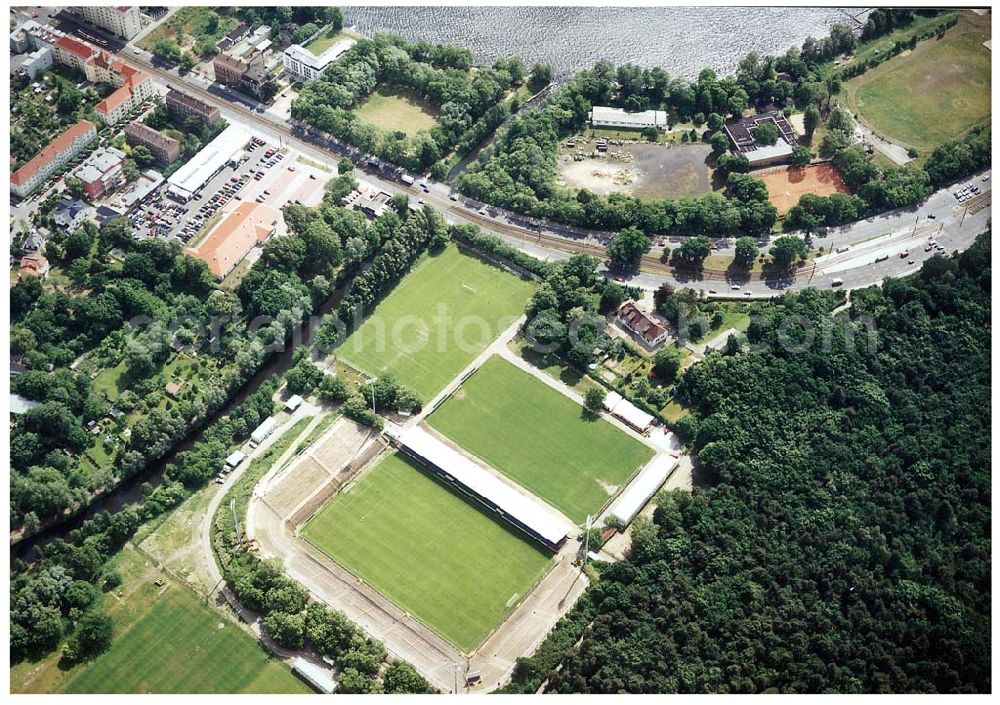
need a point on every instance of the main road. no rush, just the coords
(940, 219)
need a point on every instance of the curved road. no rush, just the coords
(904, 229)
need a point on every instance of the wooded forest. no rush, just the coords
(843, 542)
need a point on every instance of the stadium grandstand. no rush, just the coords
(521, 509)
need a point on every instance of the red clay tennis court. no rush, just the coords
(787, 184)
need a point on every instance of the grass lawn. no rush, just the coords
(429, 550)
(930, 95)
(326, 40)
(187, 26)
(539, 438)
(430, 327)
(393, 109)
(554, 367)
(166, 641)
(109, 381)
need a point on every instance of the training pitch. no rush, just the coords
(394, 110)
(429, 550)
(932, 94)
(785, 186)
(539, 438)
(434, 323)
(177, 646)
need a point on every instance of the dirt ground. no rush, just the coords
(649, 171)
(786, 185)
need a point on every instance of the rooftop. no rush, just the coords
(53, 149)
(605, 114)
(232, 239)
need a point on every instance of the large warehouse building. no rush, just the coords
(190, 178)
(526, 512)
(603, 116)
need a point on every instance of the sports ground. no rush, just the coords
(539, 438)
(932, 94)
(434, 323)
(432, 552)
(786, 185)
(395, 110)
(181, 646)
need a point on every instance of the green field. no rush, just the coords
(395, 110)
(166, 640)
(934, 93)
(430, 326)
(178, 647)
(539, 438)
(429, 550)
(326, 40)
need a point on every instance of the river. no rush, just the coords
(682, 40)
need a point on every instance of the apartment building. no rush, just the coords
(246, 72)
(102, 173)
(181, 106)
(165, 148)
(125, 22)
(53, 156)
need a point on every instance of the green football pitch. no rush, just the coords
(181, 646)
(540, 438)
(434, 323)
(428, 550)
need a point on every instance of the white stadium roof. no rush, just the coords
(516, 503)
(627, 411)
(642, 488)
(207, 162)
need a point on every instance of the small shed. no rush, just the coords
(293, 403)
(174, 388)
(234, 459)
(264, 430)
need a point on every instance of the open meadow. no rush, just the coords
(539, 438)
(436, 555)
(396, 110)
(932, 94)
(441, 315)
(166, 641)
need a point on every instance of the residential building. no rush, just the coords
(132, 85)
(53, 156)
(233, 38)
(105, 215)
(603, 116)
(102, 172)
(641, 325)
(182, 106)
(34, 265)
(70, 213)
(125, 22)
(741, 135)
(251, 224)
(165, 148)
(37, 61)
(302, 65)
(246, 72)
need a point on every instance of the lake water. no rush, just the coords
(682, 40)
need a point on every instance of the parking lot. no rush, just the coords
(268, 175)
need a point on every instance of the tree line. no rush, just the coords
(843, 541)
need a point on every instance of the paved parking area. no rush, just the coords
(269, 175)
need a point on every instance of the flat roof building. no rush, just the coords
(638, 492)
(621, 408)
(165, 148)
(234, 459)
(603, 116)
(523, 510)
(55, 154)
(293, 403)
(302, 65)
(321, 679)
(102, 172)
(231, 240)
(265, 429)
(741, 135)
(190, 178)
(123, 21)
